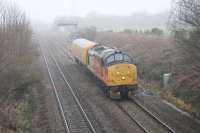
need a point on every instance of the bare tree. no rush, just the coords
(185, 22)
(15, 35)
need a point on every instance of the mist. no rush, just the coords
(48, 10)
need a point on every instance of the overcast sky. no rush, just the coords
(47, 10)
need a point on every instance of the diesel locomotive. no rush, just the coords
(113, 67)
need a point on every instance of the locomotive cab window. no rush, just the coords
(127, 58)
(118, 57)
(110, 59)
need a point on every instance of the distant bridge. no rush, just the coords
(67, 24)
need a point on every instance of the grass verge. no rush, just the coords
(167, 94)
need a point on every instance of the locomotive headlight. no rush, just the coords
(123, 78)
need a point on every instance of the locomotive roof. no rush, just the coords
(103, 51)
(83, 42)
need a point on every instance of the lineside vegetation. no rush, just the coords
(19, 74)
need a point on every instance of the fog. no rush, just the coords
(47, 10)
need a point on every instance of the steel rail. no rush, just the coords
(152, 115)
(74, 95)
(56, 94)
(133, 119)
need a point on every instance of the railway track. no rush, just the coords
(74, 117)
(133, 119)
(153, 116)
(148, 118)
(162, 127)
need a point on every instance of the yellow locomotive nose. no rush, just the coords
(122, 74)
